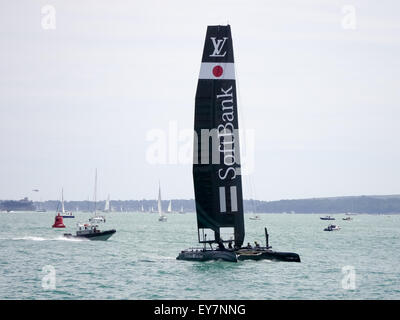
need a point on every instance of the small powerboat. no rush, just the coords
(327, 218)
(255, 218)
(332, 227)
(91, 232)
(97, 219)
(347, 218)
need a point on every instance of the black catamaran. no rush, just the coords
(216, 162)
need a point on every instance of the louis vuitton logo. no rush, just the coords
(218, 45)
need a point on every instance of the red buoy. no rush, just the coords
(58, 223)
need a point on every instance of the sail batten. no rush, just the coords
(216, 165)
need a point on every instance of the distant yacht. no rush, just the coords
(96, 218)
(332, 227)
(169, 210)
(162, 217)
(40, 208)
(181, 211)
(256, 217)
(107, 205)
(347, 218)
(327, 218)
(64, 213)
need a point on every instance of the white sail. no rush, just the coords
(159, 201)
(107, 205)
(95, 193)
(96, 218)
(162, 216)
(62, 200)
(169, 210)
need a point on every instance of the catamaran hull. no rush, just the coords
(207, 255)
(246, 254)
(102, 236)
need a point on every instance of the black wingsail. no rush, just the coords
(216, 163)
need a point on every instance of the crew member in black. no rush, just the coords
(221, 245)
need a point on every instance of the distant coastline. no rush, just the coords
(385, 204)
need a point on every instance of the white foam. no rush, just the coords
(32, 238)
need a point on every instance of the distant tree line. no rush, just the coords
(360, 204)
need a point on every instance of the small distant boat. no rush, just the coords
(40, 208)
(181, 211)
(162, 217)
(58, 222)
(64, 213)
(256, 217)
(107, 205)
(327, 218)
(347, 218)
(68, 215)
(96, 218)
(91, 232)
(332, 227)
(169, 210)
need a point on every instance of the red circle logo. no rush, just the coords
(217, 71)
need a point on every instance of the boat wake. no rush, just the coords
(30, 238)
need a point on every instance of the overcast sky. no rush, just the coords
(319, 91)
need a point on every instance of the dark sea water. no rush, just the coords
(138, 262)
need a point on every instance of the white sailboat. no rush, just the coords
(169, 210)
(107, 205)
(162, 217)
(181, 211)
(64, 213)
(96, 218)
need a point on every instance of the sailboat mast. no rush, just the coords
(62, 200)
(159, 200)
(95, 192)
